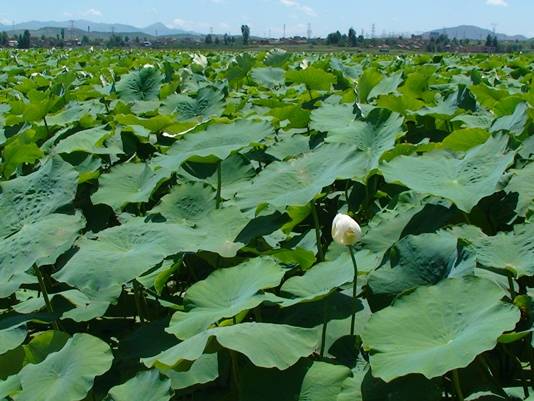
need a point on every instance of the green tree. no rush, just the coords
(85, 40)
(245, 32)
(4, 39)
(24, 41)
(62, 33)
(334, 38)
(353, 39)
(226, 39)
(208, 39)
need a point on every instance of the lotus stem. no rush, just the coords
(46, 126)
(219, 185)
(325, 326)
(42, 285)
(354, 291)
(511, 285)
(320, 252)
(138, 293)
(235, 374)
(456, 382)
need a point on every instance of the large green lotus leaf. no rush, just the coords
(375, 136)
(204, 370)
(88, 141)
(298, 181)
(437, 329)
(313, 78)
(386, 86)
(269, 77)
(238, 289)
(11, 338)
(348, 70)
(129, 183)
(241, 66)
(217, 142)
(369, 79)
(208, 103)
(68, 374)
(40, 243)
(144, 84)
(465, 181)
(119, 254)
(265, 345)
(522, 183)
(420, 260)
(19, 150)
(220, 229)
(512, 251)
(145, 386)
(319, 281)
(44, 344)
(28, 199)
(335, 119)
(464, 139)
(276, 57)
(417, 83)
(306, 381)
(75, 112)
(187, 203)
(515, 123)
(236, 172)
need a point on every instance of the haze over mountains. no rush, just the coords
(472, 32)
(86, 25)
(159, 29)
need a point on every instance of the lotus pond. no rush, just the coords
(166, 226)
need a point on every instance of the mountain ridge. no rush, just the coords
(91, 26)
(472, 32)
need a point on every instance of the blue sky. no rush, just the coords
(399, 16)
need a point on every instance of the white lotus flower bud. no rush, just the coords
(345, 230)
(148, 66)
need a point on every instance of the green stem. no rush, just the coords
(219, 185)
(354, 291)
(137, 298)
(320, 252)
(325, 326)
(531, 361)
(42, 285)
(457, 388)
(486, 369)
(235, 374)
(310, 93)
(511, 285)
(347, 195)
(46, 126)
(467, 218)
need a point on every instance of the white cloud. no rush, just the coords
(502, 3)
(188, 25)
(299, 6)
(5, 21)
(93, 12)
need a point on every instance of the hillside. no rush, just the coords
(90, 26)
(472, 32)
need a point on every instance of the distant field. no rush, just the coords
(166, 226)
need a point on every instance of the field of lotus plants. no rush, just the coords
(266, 226)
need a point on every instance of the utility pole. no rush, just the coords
(309, 32)
(373, 31)
(284, 30)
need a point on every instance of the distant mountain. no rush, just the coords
(85, 25)
(471, 32)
